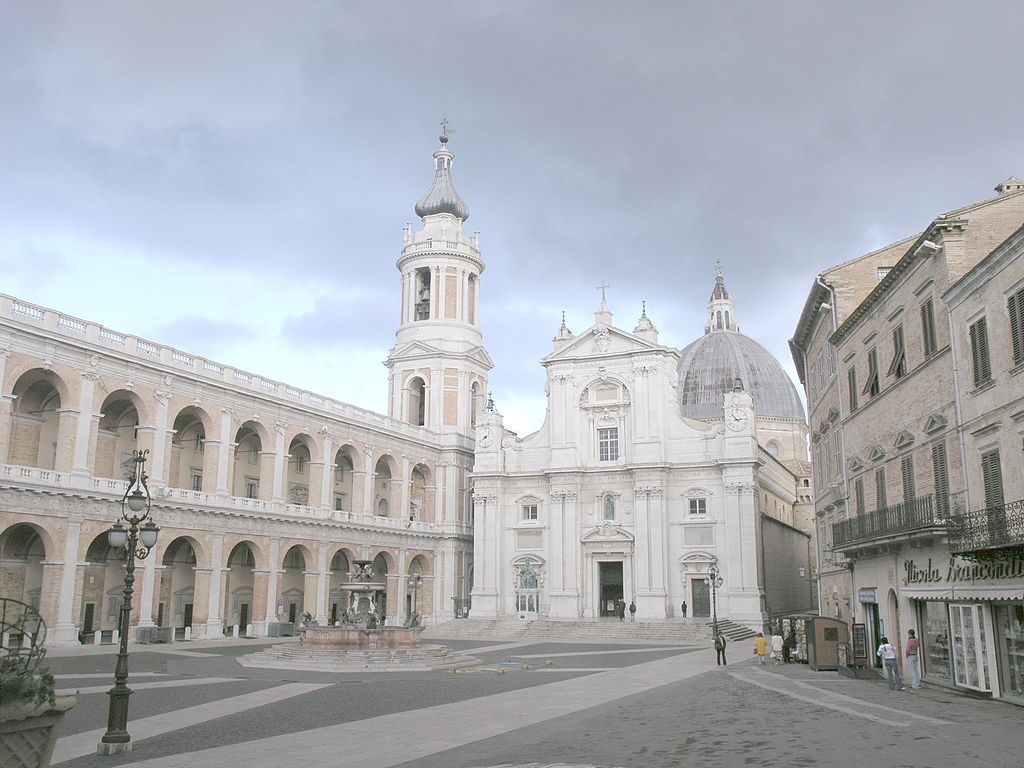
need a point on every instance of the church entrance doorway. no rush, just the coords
(701, 592)
(611, 586)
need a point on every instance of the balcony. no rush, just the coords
(902, 519)
(988, 533)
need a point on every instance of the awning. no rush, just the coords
(955, 594)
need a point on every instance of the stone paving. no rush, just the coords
(536, 704)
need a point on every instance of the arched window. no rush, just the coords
(417, 402)
(609, 507)
(382, 507)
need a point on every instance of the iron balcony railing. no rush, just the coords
(899, 518)
(990, 528)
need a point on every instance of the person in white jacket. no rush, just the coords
(887, 653)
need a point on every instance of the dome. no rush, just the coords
(710, 365)
(442, 197)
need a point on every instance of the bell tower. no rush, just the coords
(438, 365)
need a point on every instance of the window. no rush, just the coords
(200, 442)
(197, 480)
(851, 378)
(880, 488)
(898, 367)
(821, 371)
(698, 506)
(529, 511)
(300, 464)
(831, 360)
(609, 507)
(1015, 307)
(828, 461)
(422, 303)
(253, 454)
(608, 444)
(907, 471)
(837, 449)
(252, 488)
(339, 502)
(979, 353)
(814, 382)
(928, 328)
(818, 478)
(992, 477)
(940, 479)
(871, 387)
(858, 493)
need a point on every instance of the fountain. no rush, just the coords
(361, 640)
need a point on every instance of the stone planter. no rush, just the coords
(28, 733)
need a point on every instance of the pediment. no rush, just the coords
(607, 532)
(414, 349)
(600, 341)
(877, 453)
(854, 464)
(903, 439)
(934, 423)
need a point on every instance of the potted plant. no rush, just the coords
(30, 710)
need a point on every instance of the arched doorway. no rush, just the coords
(417, 413)
(102, 590)
(35, 420)
(338, 598)
(385, 488)
(293, 582)
(384, 572)
(344, 479)
(22, 553)
(188, 449)
(297, 474)
(117, 436)
(177, 586)
(238, 597)
(245, 480)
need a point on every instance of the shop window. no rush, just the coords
(969, 646)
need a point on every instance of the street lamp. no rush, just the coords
(715, 580)
(130, 543)
(414, 584)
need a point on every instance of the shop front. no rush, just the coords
(970, 617)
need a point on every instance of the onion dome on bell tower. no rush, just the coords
(442, 197)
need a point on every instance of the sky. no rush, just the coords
(232, 178)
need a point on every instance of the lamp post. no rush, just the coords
(715, 580)
(132, 542)
(414, 584)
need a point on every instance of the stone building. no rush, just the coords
(652, 464)
(265, 494)
(924, 513)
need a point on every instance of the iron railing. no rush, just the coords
(899, 518)
(989, 528)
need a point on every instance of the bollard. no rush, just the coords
(234, 632)
(97, 637)
(115, 637)
(188, 633)
(248, 630)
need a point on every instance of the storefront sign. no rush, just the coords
(866, 595)
(961, 570)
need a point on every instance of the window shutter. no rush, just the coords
(858, 488)
(872, 381)
(880, 488)
(928, 328)
(898, 352)
(979, 352)
(940, 478)
(907, 470)
(992, 477)
(851, 377)
(1015, 304)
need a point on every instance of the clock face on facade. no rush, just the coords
(737, 419)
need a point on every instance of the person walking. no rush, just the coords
(683, 608)
(720, 643)
(620, 610)
(760, 648)
(777, 648)
(887, 653)
(910, 651)
(632, 610)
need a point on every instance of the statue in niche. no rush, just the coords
(528, 577)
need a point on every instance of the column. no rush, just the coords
(279, 459)
(310, 592)
(85, 419)
(275, 564)
(321, 584)
(157, 467)
(224, 458)
(440, 476)
(487, 534)
(200, 602)
(402, 588)
(368, 483)
(214, 620)
(65, 632)
(6, 408)
(148, 582)
(435, 416)
(327, 480)
(451, 492)
(406, 483)
(264, 589)
(448, 587)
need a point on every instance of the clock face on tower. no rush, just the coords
(736, 420)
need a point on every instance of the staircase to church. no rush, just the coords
(688, 631)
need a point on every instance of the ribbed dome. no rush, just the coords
(442, 197)
(710, 365)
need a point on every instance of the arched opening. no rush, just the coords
(344, 479)
(35, 420)
(338, 598)
(117, 436)
(298, 472)
(246, 468)
(421, 500)
(188, 448)
(422, 307)
(177, 586)
(471, 301)
(293, 583)
(102, 591)
(384, 572)
(386, 489)
(417, 414)
(22, 552)
(420, 588)
(238, 597)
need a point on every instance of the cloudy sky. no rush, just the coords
(232, 178)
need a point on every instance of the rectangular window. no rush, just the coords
(851, 378)
(880, 500)
(907, 471)
(339, 502)
(818, 475)
(858, 495)
(608, 444)
(698, 506)
(814, 383)
(821, 371)
(940, 479)
(928, 328)
(992, 477)
(529, 511)
(300, 464)
(252, 488)
(1015, 306)
(837, 449)
(200, 442)
(197, 481)
(828, 461)
(979, 353)
(254, 455)
(871, 388)
(898, 367)
(831, 360)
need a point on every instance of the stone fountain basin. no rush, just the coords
(346, 638)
